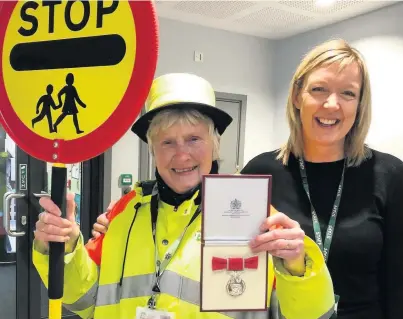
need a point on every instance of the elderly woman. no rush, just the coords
(154, 228)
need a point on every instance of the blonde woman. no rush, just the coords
(346, 196)
(137, 268)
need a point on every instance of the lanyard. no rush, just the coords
(324, 247)
(160, 266)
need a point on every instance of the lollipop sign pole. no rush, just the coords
(71, 88)
(56, 249)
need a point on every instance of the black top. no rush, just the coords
(366, 256)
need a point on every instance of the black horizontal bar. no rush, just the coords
(104, 50)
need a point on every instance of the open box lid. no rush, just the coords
(234, 206)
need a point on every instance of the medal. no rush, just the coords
(236, 285)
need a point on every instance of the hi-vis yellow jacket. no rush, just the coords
(112, 287)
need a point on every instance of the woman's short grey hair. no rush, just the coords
(165, 119)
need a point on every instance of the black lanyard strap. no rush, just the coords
(324, 247)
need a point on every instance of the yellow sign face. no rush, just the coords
(67, 64)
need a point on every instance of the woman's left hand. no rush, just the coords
(282, 237)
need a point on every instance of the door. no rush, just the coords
(232, 141)
(22, 180)
(11, 276)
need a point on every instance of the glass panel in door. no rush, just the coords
(8, 267)
(14, 242)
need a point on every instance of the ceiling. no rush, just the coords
(273, 19)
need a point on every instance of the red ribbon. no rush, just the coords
(234, 264)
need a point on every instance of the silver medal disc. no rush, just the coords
(235, 286)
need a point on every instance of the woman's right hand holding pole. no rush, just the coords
(52, 227)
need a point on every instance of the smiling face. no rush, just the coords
(183, 153)
(328, 103)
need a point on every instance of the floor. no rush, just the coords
(8, 295)
(7, 291)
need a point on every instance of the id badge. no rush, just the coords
(336, 304)
(147, 313)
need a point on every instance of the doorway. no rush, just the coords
(233, 140)
(22, 293)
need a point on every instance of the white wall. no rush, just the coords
(125, 160)
(262, 69)
(379, 37)
(233, 63)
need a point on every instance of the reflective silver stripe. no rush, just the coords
(327, 315)
(85, 301)
(274, 306)
(136, 286)
(181, 287)
(247, 315)
(171, 283)
(139, 286)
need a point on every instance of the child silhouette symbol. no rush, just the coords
(48, 103)
(69, 107)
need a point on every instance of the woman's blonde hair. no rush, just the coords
(165, 119)
(333, 51)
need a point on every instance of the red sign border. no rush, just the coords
(120, 121)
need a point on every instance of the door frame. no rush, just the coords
(145, 159)
(92, 190)
(23, 244)
(23, 259)
(242, 101)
